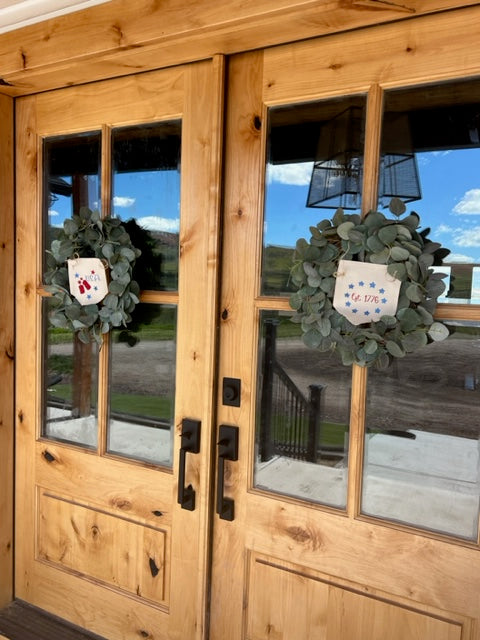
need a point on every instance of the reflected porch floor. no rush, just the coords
(21, 621)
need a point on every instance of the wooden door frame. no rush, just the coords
(39, 58)
(7, 226)
(95, 44)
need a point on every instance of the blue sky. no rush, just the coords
(151, 197)
(450, 204)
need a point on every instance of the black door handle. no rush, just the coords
(190, 443)
(227, 450)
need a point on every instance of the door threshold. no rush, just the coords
(22, 621)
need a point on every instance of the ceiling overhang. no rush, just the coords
(15, 14)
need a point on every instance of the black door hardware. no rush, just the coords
(190, 443)
(231, 392)
(227, 450)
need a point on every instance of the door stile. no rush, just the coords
(26, 308)
(242, 223)
(207, 483)
(7, 347)
(197, 358)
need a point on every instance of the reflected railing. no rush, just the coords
(289, 422)
(302, 416)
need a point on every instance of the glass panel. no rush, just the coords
(314, 161)
(69, 386)
(71, 179)
(422, 444)
(303, 411)
(431, 144)
(142, 386)
(146, 196)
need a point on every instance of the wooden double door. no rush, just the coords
(152, 500)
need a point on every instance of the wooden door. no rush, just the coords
(356, 542)
(101, 537)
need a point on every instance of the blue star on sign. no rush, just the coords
(361, 283)
(372, 285)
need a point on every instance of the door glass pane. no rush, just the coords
(142, 386)
(69, 386)
(71, 179)
(146, 196)
(422, 443)
(314, 165)
(303, 407)
(431, 145)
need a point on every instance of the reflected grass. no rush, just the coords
(133, 404)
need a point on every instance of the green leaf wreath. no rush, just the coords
(410, 256)
(87, 235)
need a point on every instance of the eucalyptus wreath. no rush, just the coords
(87, 235)
(410, 256)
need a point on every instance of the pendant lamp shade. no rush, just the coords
(337, 173)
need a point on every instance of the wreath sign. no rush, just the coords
(346, 276)
(84, 300)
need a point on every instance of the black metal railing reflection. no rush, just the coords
(289, 421)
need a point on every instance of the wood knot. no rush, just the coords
(117, 29)
(257, 123)
(49, 457)
(121, 503)
(157, 513)
(95, 531)
(224, 314)
(154, 570)
(304, 537)
(20, 416)
(335, 66)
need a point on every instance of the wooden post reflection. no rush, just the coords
(82, 353)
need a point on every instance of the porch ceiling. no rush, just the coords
(15, 14)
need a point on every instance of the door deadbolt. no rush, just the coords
(231, 392)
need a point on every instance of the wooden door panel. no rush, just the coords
(106, 528)
(95, 481)
(143, 99)
(289, 568)
(115, 551)
(288, 602)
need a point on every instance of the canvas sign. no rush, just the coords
(364, 292)
(87, 279)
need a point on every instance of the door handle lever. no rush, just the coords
(227, 450)
(190, 443)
